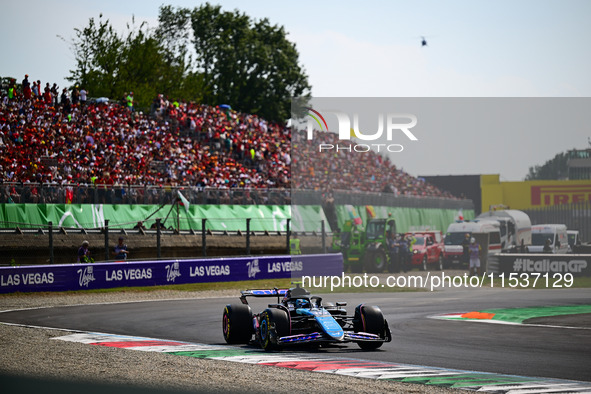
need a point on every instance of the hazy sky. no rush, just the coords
(475, 48)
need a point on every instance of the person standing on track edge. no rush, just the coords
(474, 250)
(120, 251)
(465, 250)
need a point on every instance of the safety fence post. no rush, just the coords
(106, 239)
(158, 249)
(323, 237)
(248, 236)
(51, 258)
(287, 236)
(203, 240)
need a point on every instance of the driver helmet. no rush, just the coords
(302, 303)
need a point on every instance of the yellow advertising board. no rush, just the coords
(531, 194)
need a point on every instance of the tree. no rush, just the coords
(555, 168)
(111, 65)
(97, 49)
(204, 54)
(248, 64)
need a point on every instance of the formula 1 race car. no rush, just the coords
(299, 318)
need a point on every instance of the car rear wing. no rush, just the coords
(262, 293)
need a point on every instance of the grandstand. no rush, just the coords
(72, 170)
(106, 147)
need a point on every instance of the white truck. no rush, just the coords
(457, 233)
(554, 233)
(515, 229)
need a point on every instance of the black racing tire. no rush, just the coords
(376, 261)
(237, 324)
(424, 263)
(273, 324)
(371, 320)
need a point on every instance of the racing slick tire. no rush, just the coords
(376, 261)
(371, 320)
(237, 324)
(274, 323)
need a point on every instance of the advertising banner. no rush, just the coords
(69, 277)
(533, 194)
(407, 219)
(575, 264)
(219, 217)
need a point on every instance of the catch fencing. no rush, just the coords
(53, 193)
(576, 216)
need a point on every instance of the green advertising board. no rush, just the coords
(219, 217)
(407, 219)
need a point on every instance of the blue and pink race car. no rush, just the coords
(298, 318)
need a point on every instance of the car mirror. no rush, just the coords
(341, 304)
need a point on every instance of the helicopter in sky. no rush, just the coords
(423, 41)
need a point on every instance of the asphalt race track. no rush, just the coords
(535, 351)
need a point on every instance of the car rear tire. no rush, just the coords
(371, 320)
(274, 323)
(237, 324)
(440, 263)
(424, 263)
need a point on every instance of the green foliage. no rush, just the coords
(204, 54)
(553, 169)
(111, 65)
(246, 63)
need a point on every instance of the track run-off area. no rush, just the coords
(436, 340)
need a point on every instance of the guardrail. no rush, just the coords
(51, 244)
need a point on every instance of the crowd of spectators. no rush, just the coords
(51, 139)
(357, 172)
(106, 143)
